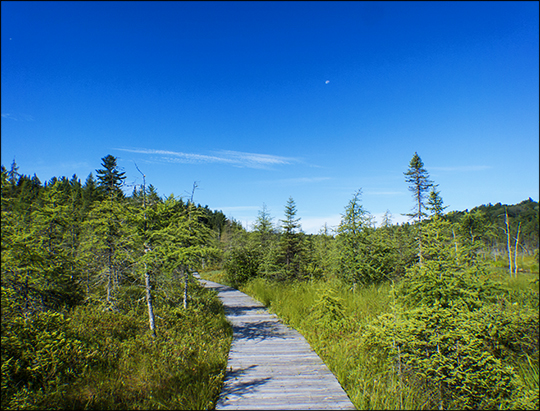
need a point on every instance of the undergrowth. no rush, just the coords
(336, 319)
(87, 358)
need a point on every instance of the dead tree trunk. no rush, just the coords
(147, 284)
(109, 277)
(185, 287)
(516, 252)
(508, 246)
(149, 302)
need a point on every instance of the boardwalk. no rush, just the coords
(271, 366)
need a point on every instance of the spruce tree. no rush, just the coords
(89, 192)
(419, 185)
(263, 225)
(435, 202)
(110, 179)
(290, 239)
(354, 264)
(13, 174)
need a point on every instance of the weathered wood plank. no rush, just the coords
(270, 365)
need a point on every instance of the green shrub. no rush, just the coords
(242, 263)
(99, 359)
(39, 358)
(447, 349)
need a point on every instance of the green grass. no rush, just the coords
(367, 380)
(217, 276)
(370, 382)
(526, 264)
(115, 363)
(332, 316)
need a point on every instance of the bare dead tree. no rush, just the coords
(516, 251)
(147, 284)
(509, 246)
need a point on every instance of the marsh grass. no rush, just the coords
(370, 381)
(126, 368)
(217, 276)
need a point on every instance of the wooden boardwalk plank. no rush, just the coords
(271, 366)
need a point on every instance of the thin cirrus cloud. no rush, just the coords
(302, 180)
(233, 158)
(461, 168)
(17, 117)
(384, 193)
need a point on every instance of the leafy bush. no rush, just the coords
(328, 311)
(242, 263)
(447, 349)
(454, 330)
(93, 358)
(39, 359)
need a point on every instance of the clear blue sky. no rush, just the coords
(259, 101)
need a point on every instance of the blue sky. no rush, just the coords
(261, 101)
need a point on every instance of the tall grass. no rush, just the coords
(124, 366)
(370, 382)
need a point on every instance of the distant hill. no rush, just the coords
(525, 215)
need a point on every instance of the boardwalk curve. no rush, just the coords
(271, 366)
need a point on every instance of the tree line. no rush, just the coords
(455, 334)
(83, 264)
(64, 242)
(358, 251)
(67, 244)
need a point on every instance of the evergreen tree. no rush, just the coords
(13, 173)
(353, 243)
(38, 262)
(110, 179)
(109, 248)
(419, 184)
(263, 225)
(89, 192)
(435, 202)
(323, 256)
(290, 240)
(387, 219)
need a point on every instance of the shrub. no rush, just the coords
(242, 263)
(446, 349)
(39, 358)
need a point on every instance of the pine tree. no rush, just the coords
(110, 178)
(419, 184)
(435, 202)
(419, 181)
(290, 239)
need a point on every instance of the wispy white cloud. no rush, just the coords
(384, 193)
(256, 160)
(233, 158)
(238, 208)
(302, 180)
(17, 117)
(461, 168)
